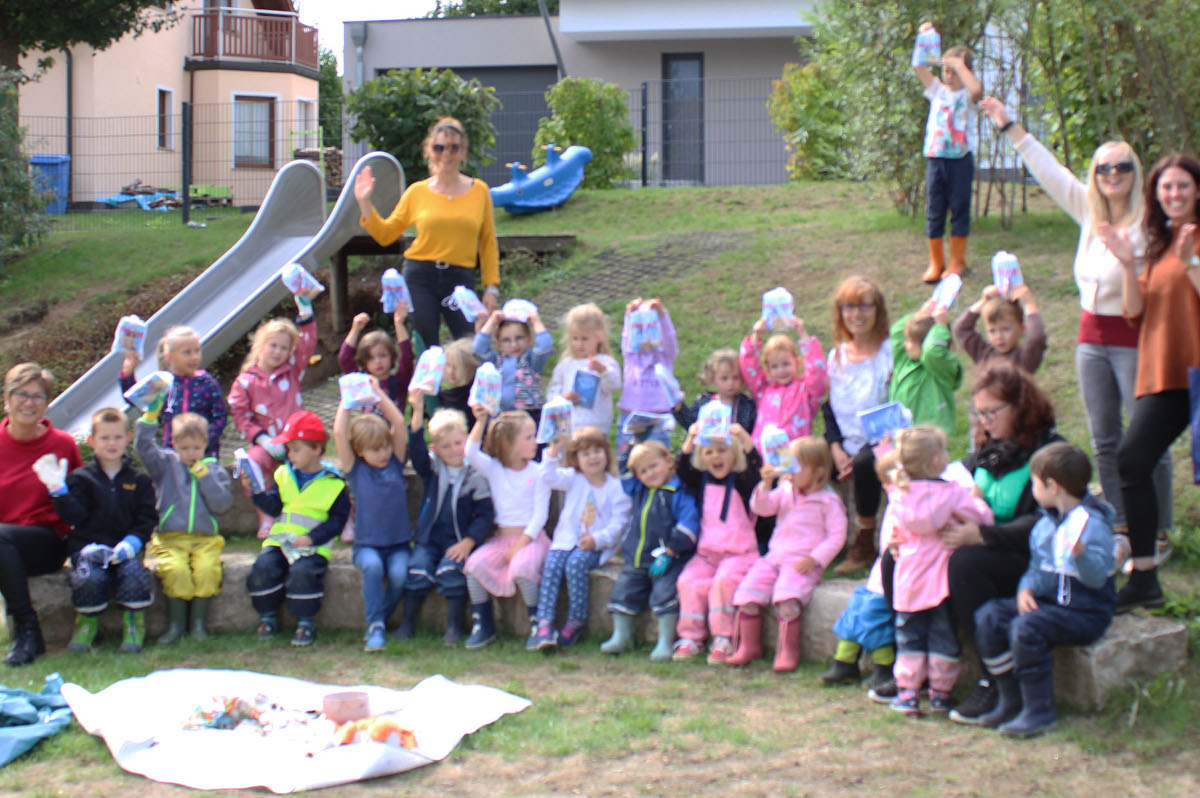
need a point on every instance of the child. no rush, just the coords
(194, 389)
(586, 332)
(642, 391)
(722, 476)
(922, 505)
(371, 452)
(376, 353)
(110, 505)
(1008, 321)
(925, 373)
(866, 623)
(524, 349)
(723, 374)
(312, 503)
(809, 532)
(1065, 598)
(594, 515)
(188, 544)
(950, 163)
(456, 516)
(512, 559)
(267, 392)
(457, 376)
(662, 531)
(787, 385)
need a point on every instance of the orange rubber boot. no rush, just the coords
(937, 261)
(958, 255)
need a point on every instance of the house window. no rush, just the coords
(254, 132)
(306, 124)
(163, 118)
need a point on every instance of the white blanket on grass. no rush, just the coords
(142, 719)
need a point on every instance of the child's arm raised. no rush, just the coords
(341, 438)
(922, 71)
(765, 500)
(482, 346)
(750, 361)
(965, 327)
(936, 356)
(475, 454)
(670, 345)
(970, 82)
(816, 370)
(543, 343)
(1033, 349)
(349, 347)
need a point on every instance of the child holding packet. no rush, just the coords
(193, 391)
(595, 513)
(587, 363)
(376, 353)
(787, 378)
(1065, 598)
(810, 529)
(723, 375)
(925, 373)
(457, 376)
(643, 391)
(1015, 330)
(525, 346)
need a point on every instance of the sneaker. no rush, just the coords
(720, 650)
(939, 702)
(376, 638)
(570, 633)
(546, 638)
(305, 635)
(267, 628)
(884, 692)
(85, 633)
(1122, 553)
(980, 702)
(686, 649)
(134, 636)
(907, 702)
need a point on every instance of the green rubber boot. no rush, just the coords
(86, 627)
(200, 617)
(177, 613)
(134, 636)
(622, 636)
(665, 644)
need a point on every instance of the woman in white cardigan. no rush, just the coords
(1106, 351)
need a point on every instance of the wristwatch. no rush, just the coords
(494, 290)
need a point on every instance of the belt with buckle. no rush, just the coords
(437, 264)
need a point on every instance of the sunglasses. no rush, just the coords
(1120, 167)
(438, 149)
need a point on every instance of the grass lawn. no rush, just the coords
(626, 726)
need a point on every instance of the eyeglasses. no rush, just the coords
(32, 398)
(861, 307)
(989, 414)
(1120, 167)
(438, 149)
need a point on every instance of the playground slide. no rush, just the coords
(233, 295)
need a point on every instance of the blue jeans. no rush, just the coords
(384, 571)
(1107, 380)
(575, 563)
(948, 184)
(1020, 644)
(635, 588)
(429, 567)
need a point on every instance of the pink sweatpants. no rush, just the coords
(774, 579)
(706, 587)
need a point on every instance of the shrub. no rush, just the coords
(394, 112)
(806, 108)
(592, 113)
(21, 202)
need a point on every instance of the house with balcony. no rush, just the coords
(697, 73)
(248, 69)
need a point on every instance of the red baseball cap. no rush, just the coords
(303, 425)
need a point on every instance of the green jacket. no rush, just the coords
(926, 386)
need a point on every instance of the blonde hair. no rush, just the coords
(586, 438)
(264, 333)
(445, 420)
(370, 341)
(447, 124)
(719, 358)
(108, 415)
(1098, 207)
(922, 454)
(25, 373)
(886, 465)
(460, 353)
(739, 456)
(813, 453)
(170, 338)
(369, 431)
(778, 343)
(189, 425)
(590, 318)
(502, 434)
(645, 450)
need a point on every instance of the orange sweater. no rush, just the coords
(1169, 334)
(454, 230)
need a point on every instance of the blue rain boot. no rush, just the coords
(483, 628)
(1037, 707)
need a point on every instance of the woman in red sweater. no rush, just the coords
(31, 533)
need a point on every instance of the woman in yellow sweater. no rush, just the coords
(455, 232)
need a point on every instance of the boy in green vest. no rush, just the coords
(310, 504)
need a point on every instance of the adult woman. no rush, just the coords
(31, 533)
(1164, 301)
(455, 229)
(1106, 354)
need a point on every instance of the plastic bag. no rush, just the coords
(395, 292)
(946, 291)
(1006, 272)
(670, 385)
(518, 310)
(777, 449)
(427, 377)
(485, 390)
(130, 336)
(645, 331)
(148, 388)
(927, 51)
(468, 302)
(298, 279)
(555, 420)
(714, 421)
(778, 308)
(357, 390)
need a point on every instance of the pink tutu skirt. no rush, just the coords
(490, 566)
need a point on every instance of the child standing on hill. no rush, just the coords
(267, 392)
(724, 376)
(949, 152)
(1015, 330)
(193, 391)
(188, 544)
(525, 346)
(587, 350)
(371, 452)
(643, 391)
(376, 353)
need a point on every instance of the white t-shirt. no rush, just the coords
(854, 387)
(521, 498)
(602, 512)
(950, 131)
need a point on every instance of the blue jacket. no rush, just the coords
(665, 516)
(472, 510)
(1084, 582)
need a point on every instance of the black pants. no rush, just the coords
(302, 582)
(1157, 420)
(26, 551)
(1021, 644)
(431, 288)
(867, 490)
(948, 184)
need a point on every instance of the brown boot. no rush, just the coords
(958, 255)
(787, 646)
(937, 261)
(862, 552)
(747, 636)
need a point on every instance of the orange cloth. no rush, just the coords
(453, 230)
(1169, 337)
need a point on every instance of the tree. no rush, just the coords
(593, 113)
(489, 8)
(330, 98)
(21, 202)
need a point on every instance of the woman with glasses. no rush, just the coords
(32, 537)
(1106, 354)
(455, 231)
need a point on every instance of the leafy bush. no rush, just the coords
(592, 113)
(21, 202)
(394, 113)
(806, 108)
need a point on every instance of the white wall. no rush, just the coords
(587, 20)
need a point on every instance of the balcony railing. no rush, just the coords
(236, 34)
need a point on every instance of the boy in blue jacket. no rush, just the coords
(663, 528)
(1065, 598)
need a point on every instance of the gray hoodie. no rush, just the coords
(185, 503)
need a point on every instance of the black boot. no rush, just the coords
(456, 611)
(412, 611)
(841, 673)
(1142, 590)
(1037, 707)
(1008, 706)
(27, 642)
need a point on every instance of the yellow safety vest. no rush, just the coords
(304, 510)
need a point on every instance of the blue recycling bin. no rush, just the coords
(53, 173)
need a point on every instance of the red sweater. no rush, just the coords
(26, 501)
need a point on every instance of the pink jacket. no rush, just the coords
(790, 407)
(920, 513)
(261, 402)
(734, 535)
(812, 524)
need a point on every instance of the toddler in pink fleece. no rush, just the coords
(810, 530)
(922, 505)
(788, 379)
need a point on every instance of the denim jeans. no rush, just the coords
(384, 572)
(1107, 380)
(1021, 644)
